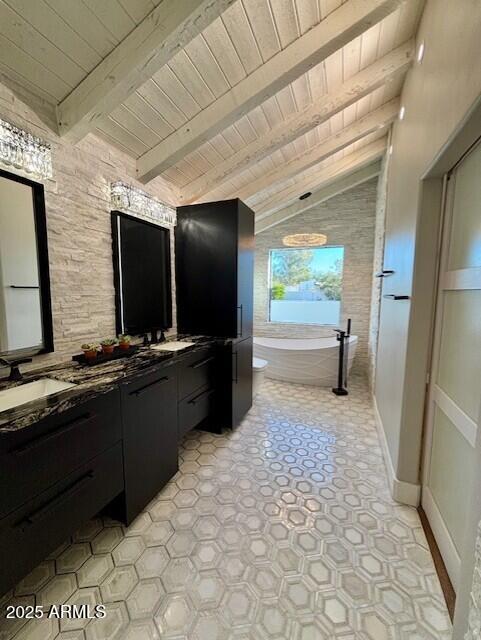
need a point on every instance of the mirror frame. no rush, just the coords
(115, 216)
(40, 220)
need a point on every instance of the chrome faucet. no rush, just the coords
(15, 374)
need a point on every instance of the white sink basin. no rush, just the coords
(23, 393)
(172, 346)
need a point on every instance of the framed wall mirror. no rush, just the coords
(142, 275)
(25, 306)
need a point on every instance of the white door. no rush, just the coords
(455, 386)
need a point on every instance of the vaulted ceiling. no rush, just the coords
(257, 99)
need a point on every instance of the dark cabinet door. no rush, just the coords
(149, 416)
(205, 254)
(245, 271)
(214, 254)
(241, 379)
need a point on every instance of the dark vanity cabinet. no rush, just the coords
(54, 476)
(149, 424)
(116, 450)
(214, 251)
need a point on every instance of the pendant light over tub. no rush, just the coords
(304, 240)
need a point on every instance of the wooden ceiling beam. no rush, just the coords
(320, 195)
(381, 72)
(340, 27)
(333, 171)
(376, 120)
(147, 48)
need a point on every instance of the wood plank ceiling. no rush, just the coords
(50, 46)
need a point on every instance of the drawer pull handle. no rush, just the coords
(41, 513)
(201, 363)
(206, 393)
(64, 428)
(241, 330)
(391, 296)
(235, 376)
(158, 382)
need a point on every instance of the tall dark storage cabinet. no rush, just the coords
(214, 254)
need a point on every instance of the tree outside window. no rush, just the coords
(306, 285)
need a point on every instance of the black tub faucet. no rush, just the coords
(15, 374)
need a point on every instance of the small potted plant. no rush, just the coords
(124, 342)
(90, 351)
(108, 346)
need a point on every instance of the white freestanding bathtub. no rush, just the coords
(303, 360)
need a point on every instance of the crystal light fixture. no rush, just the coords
(304, 240)
(129, 199)
(22, 150)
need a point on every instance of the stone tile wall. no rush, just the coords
(379, 233)
(348, 220)
(77, 201)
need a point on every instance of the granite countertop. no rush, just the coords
(90, 381)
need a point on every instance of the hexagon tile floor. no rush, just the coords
(282, 529)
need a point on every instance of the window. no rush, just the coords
(305, 285)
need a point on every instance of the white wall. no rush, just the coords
(437, 94)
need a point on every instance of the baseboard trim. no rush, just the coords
(404, 492)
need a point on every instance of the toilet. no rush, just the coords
(259, 367)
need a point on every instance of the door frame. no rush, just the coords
(434, 395)
(457, 145)
(441, 534)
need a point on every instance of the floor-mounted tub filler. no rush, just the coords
(304, 360)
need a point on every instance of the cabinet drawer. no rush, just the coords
(32, 532)
(149, 417)
(40, 455)
(150, 381)
(194, 409)
(196, 371)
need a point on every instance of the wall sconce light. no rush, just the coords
(129, 199)
(21, 150)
